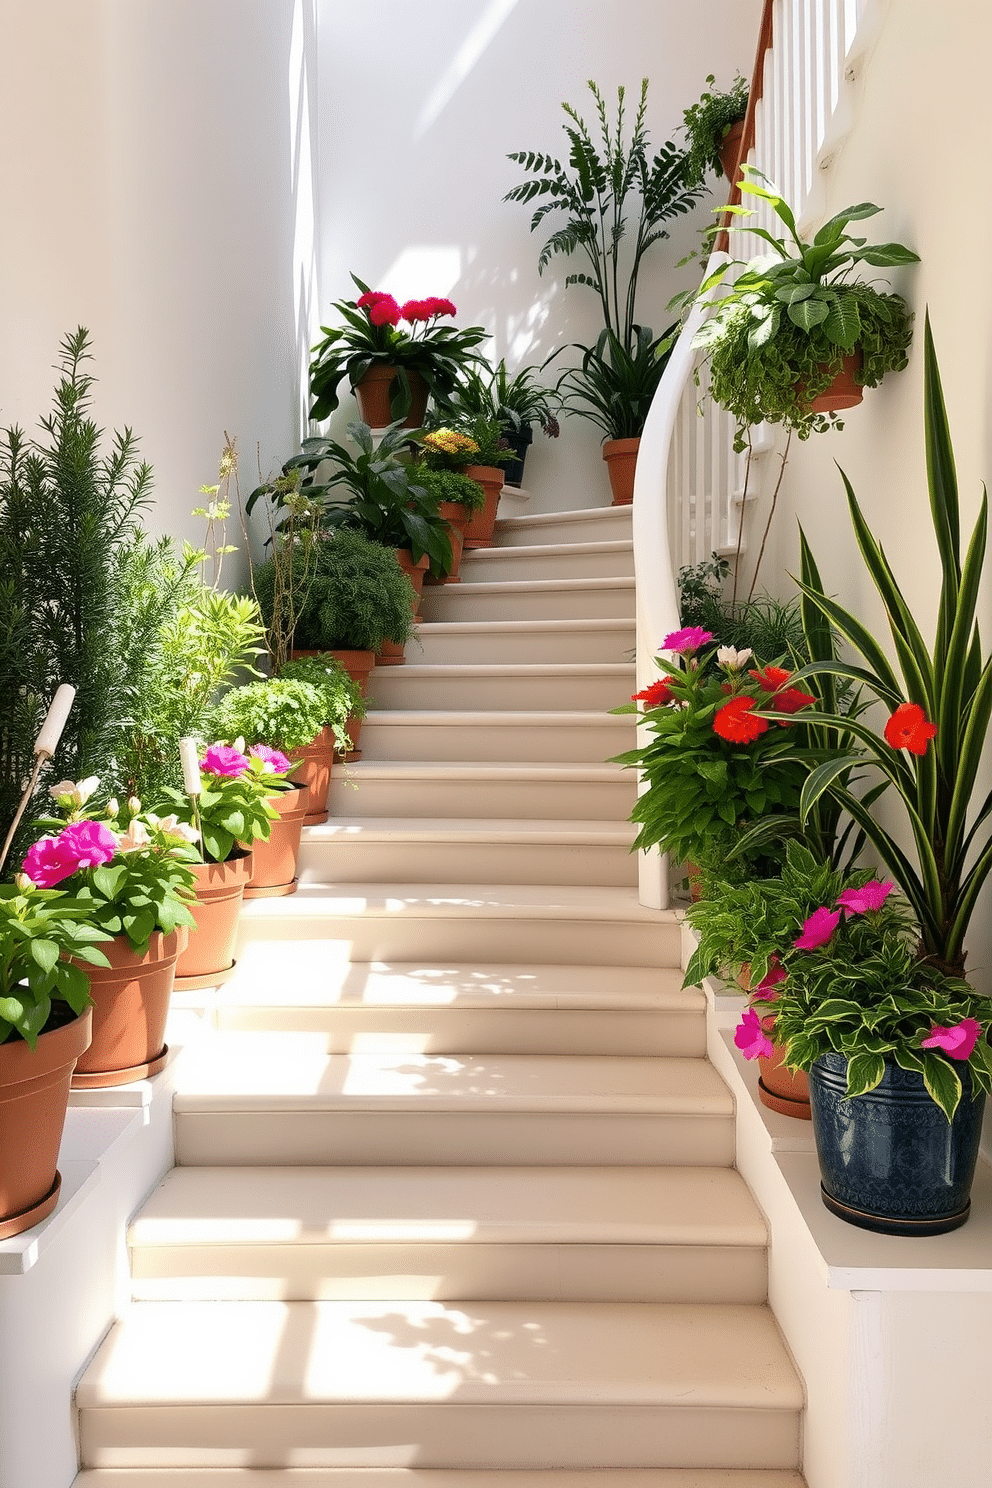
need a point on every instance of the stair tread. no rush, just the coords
(543, 901)
(354, 1205)
(481, 770)
(550, 550)
(292, 1071)
(528, 586)
(471, 829)
(427, 670)
(492, 1353)
(424, 1477)
(519, 627)
(606, 515)
(512, 718)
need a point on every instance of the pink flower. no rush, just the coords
(750, 1037)
(273, 763)
(222, 759)
(765, 990)
(686, 640)
(437, 306)
(818, 929)
(871, 895)
(85, 844)
(957, 1041)
(371, 297)
(415, 310)
(384, 311)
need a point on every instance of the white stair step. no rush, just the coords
(446, 789)
(558, 1234)
(531, 641)
(280, 1098)
(568, 737)
(474, 1385)
(478, 850)
(548, 599)
(504, 1009)
(423, 1477)
(568, 560)
(591, 524)
(455, 922)
(513, 686)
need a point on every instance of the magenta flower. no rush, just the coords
(85, 844)
(750, 1037)
(958, 1041)
(818, 929)
(871, 895)
(222, 759)
(272, 762)
(384, 311)
(686, 640)
(765, 990)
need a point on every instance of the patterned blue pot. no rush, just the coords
(889, 1160)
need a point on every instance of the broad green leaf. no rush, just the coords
(45, 952)
(864, 1072)
(808, 313)
(942, 1083)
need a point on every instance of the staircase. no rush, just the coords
(455, 1204)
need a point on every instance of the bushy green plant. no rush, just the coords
(232, 808)
(707, 124)
(40, 929)
(771, 628)
(450, 486)
(342, 696)
(282, 712)
(615, 384)
(491, 393)
(358, 596)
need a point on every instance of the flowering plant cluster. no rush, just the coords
(722, 753)
(232, 810)
(39, 930)
(447, 449)
(373, 334)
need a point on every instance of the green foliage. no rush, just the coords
(707, 124)
(614, 385)
(778, 334)
(491, 393)
(293, 512)
(615, 195)
(772, 628)
(342, 696)
(39, 930)
(282, 712)
(231, 811)
(357, 598)
(444, 486)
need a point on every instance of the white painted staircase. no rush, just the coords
(455, 1204)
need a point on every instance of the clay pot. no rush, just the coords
(479, 528)
(373, 394)
(457, 518)
(130, 1006)
(274, 872)
(621, 458)
(414, 571)
(843, 392)
(34, 1094)
(358, 665)
(778, 1088)
(316, 759)
(729, 151)
(208, 959)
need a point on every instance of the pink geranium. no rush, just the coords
(750, 1037)
(272, 761)
(871, 895)
(384, 312)
(223, 759)
(818, 929)
(686, 640)
(957, 1041)
(85, 844)
(765, 991)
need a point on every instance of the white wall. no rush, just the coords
(419, 108)
(156, 165)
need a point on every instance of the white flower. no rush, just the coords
(133, 805)
(727, 656)
(135, 836)
(23, 883)
(74, 793)
(171, 826)
(113, 806)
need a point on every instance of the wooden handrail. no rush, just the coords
(722, 241)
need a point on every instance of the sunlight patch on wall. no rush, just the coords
(468, 54)
(424, 269)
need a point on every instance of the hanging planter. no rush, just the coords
(208, 959)
(479, 530)
(130, 1008)
(843, 392)
(34, 1094)
(274, 872)
(621, 460)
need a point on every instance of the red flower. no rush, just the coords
(771, 678)
(908, 729)
(437, 306)
(732, 722)
(655, 696)
(790, 700)
(371, 297)
(384, 311)
(416, 310)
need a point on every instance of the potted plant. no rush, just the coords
(343, 705)
(766, 625)
(46, 935)
(713, 130)
(455, 497)
(516, 403)
(476, 448)
(617, 195)
(275, 718)
(796, 334)
(404, 367)
(129, 868)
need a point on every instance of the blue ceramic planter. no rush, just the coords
(889, 1160)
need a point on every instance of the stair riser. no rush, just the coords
(475, 863)
(239, 1135)
(477, 1031)
(571, 1273)
(546, 942)
(414, 1477)
(503, 565)
(602, 524)
(385, 739)
(454, 602)
(503, 648)
(542, 800)
(400, 687)
(445, 1434)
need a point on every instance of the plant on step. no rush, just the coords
(342, 696)
(491, 393)
(614, 384)
(373, 335)
(283, 713)
(937, 702)
(769, 627)
(231, 809)
(354, 597)
(483, 430)
(449, 487)
(281, 582)
(707, 124)
(40, 986)
(777, 335)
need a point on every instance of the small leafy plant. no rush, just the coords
(280, 712)
(614, 385)
(342, 696)
(40, 929)
(232, 810)
(450, 487)
(707, 124)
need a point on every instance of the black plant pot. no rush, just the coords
(890, 1161)
(518, 440)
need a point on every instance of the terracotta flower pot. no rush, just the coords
(274, 873)
(316, 759)
(457, 518)
(358, 665)
(730, 149)
(414, 571)
(373, 393)
(208, 959)
(479, 528)
(621, 458)
(778, 1088)
(130, 1006)
(34, 1093)
(843, 392)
